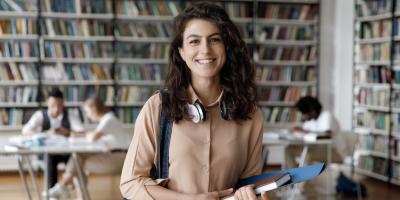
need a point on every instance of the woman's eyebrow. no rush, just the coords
(197, 36)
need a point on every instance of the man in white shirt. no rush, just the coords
(55, 120)
(315, 121)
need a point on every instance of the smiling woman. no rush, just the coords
(209, 74)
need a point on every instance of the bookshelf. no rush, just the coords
(286, 55)
(117, 49)
(375, 89)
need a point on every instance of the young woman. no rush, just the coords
(208, 65)
(111, 131)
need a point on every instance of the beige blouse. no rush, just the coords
(204, 157)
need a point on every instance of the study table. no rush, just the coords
(275, 139)
(74, 148)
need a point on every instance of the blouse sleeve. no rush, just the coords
(141, 154)
(253, 166)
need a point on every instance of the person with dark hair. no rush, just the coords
(111, 131)
(216, 136)
(55, 120)
(316, 121)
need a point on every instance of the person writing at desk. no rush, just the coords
(209, 69)
(315, 121)
(111, 131)
(55, 120)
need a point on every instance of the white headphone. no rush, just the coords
(198, 113)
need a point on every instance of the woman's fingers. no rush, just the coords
(225, 193)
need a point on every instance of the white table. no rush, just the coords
(267, 142)
(73, 149)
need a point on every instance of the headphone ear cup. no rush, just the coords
(201, 110)
(224, 110)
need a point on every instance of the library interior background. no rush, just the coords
(346, 53)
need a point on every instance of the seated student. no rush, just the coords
(317, 121)
(108, 126)
(55, 120)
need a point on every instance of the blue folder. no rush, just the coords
(297, 175)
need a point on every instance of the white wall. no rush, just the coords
(336, 60)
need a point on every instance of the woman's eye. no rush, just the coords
(215, 40)
(193, 42)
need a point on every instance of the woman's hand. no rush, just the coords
(247, 193)
(212, 195)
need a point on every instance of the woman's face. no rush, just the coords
(203, 49)
(90, 113)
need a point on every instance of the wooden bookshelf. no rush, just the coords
(376, 94)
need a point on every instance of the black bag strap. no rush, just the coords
(166, 122)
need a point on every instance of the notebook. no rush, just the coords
(267, 184)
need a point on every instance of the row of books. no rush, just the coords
(142, 50)
(80, 27)
(238, 9)
(376, 143)
(396, 123)
(152, 72)
(372, 74)
(282, 94)
(307, 53)
(14, 116)
(130, 94)
(19, 49)
(375, 52)
(18, 94)
(77, 93)
(395, 170)
(288, 11)
(284, 32)
(145, 30)
(395, 100)
(128, 115)
(18, 5)
(396, 76)
(20, 26)
(372, 96)
(60, 72)
(22, 72)
(145, 8)
(372, 120)
(375, 29)
(281, 115)
(369, 8)
(373, 164)
(77, 49)
(77, 6)
(286, 73)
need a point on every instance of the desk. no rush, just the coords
(267, 141)
(283, 142)
(73, 149)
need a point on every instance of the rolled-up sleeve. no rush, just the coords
(253, 166)
(141, 154)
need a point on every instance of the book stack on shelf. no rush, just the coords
(287, 57)
(77, 49)
(142, 36)
(376, 92)
(18, 62)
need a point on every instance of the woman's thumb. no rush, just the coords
(225, 193)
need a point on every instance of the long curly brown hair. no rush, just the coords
(236, 76)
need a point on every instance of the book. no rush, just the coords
(267, 184)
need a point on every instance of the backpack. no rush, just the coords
(160, 170)
(350, 188)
